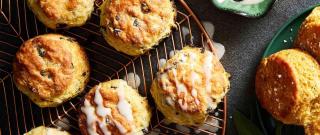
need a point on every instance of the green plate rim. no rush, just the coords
(288, 22)
(267, 53)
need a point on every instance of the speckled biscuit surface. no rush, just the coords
(62, 13)
(312, 129)
(309, 34)
(189, 86)
(115, 108)
(42, 130)
(287, 86)
(135, 26)
(50, 69)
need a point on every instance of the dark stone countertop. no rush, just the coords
(245, 39)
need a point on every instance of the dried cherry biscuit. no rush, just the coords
(287, 86)
(50, 69)
(113, 107)
(42, 130)
(62, 13)
(189, 86)
(135, 26)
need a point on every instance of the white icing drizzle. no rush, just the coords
(174, 72)
(102, 111)
(181, 88)
(162, 62)
(194, 93)
(171, 53)
(183, 58)
(169, 101)
(194, 78)
(164, 79)
(132, 79)
(219, 49)
(209, 28)
(207, 68)
(92, 114)
(120, 127)
(193, 57)
(184, 106)
(88, 109)
(123, 105)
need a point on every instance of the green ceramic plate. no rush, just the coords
(282, 40)
(239, 7)
(287, 33)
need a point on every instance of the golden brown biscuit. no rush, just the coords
(189, 86)
(62, 13)
(42, 130)
(312, 129)
(309, 34)
(287, 86)
(135, 26)
(115, 108)
(51, 69)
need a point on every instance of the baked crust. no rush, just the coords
(109, 91)
(62, 13)
(134, 26)
(312, 129)
(308, 38)
(49, 68)
(189, 86)
(42, 130)
(287, 86)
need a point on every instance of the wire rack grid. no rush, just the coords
(19, 115)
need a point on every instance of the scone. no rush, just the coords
(308, 38)
(135, 26)
(62, 13)
(189, 86)
(42, 130)
(287, 86)
(312, 129)
(50, 69)
(115, 108)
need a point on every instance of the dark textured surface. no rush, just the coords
(245, 39)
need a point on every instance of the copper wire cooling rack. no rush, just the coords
(19, 115)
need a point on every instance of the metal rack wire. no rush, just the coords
(19, 115)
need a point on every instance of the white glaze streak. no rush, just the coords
(184, 106)
(102, 111)
(92, 115)
(162, 62)
(207, 68)
(181, 88)
(169, 101)
(88, 110)
(98, 99)
(120, 127)
(123, 105)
